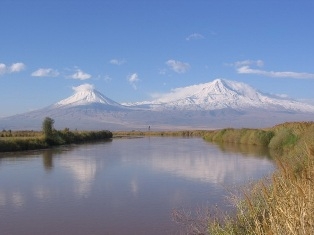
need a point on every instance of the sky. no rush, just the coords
(136, 50)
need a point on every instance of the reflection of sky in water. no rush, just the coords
(125, 179)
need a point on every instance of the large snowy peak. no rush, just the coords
(217, 104)
(219, 91)
(86, 95)
(222, 94)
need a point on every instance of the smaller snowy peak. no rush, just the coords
(86, 94)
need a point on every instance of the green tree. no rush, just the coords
(47, 128)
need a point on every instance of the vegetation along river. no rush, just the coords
(121, 186)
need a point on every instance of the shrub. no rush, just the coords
(283, 138)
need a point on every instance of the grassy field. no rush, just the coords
(30, 140)
(20, 134)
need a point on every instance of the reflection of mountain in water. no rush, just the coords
(83, 171)
(226, 164)
(218, 169)
(83, 164)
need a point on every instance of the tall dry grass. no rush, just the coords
(289, 203)
(285, 203)
(283, 206)
(280, 205)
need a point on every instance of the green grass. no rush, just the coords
(29, 140)
(280, 137)
(9, 144)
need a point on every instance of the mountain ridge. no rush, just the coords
(220, 94)
(217, 104)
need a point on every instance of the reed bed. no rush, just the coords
(283, 204)
(286, 206)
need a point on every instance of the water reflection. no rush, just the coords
(245, 149)
(90, 189)
(204, 164)
(83, 171)
(48, 160)
(210, 164)
(14, 198)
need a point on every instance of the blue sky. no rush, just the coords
(133, 50)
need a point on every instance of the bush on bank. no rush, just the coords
(18, 144)
(29, 140)
(280, 137)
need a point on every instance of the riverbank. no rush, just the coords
(285, 204)
(282, 205)
(31, 140)
(184, 133)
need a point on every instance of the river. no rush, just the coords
(121, 186)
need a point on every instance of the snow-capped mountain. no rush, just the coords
(217, 104)
(222, 94)
(85, 95)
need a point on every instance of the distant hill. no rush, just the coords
(217, 104)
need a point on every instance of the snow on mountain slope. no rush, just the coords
(222, 94)
(217, 104)
(84, 95)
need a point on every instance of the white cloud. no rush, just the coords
(14, 68)
(83, 87)
(244, 67)
(178, 66)
(117, 61)
(45, 73)
(282, 95)
(258, 63)
(308, 101)
(194, 36)
(80, 75)
(156, 95)
(107, 78)
(17, 67)
(3, 69)
(133, 78)
(162, 71)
